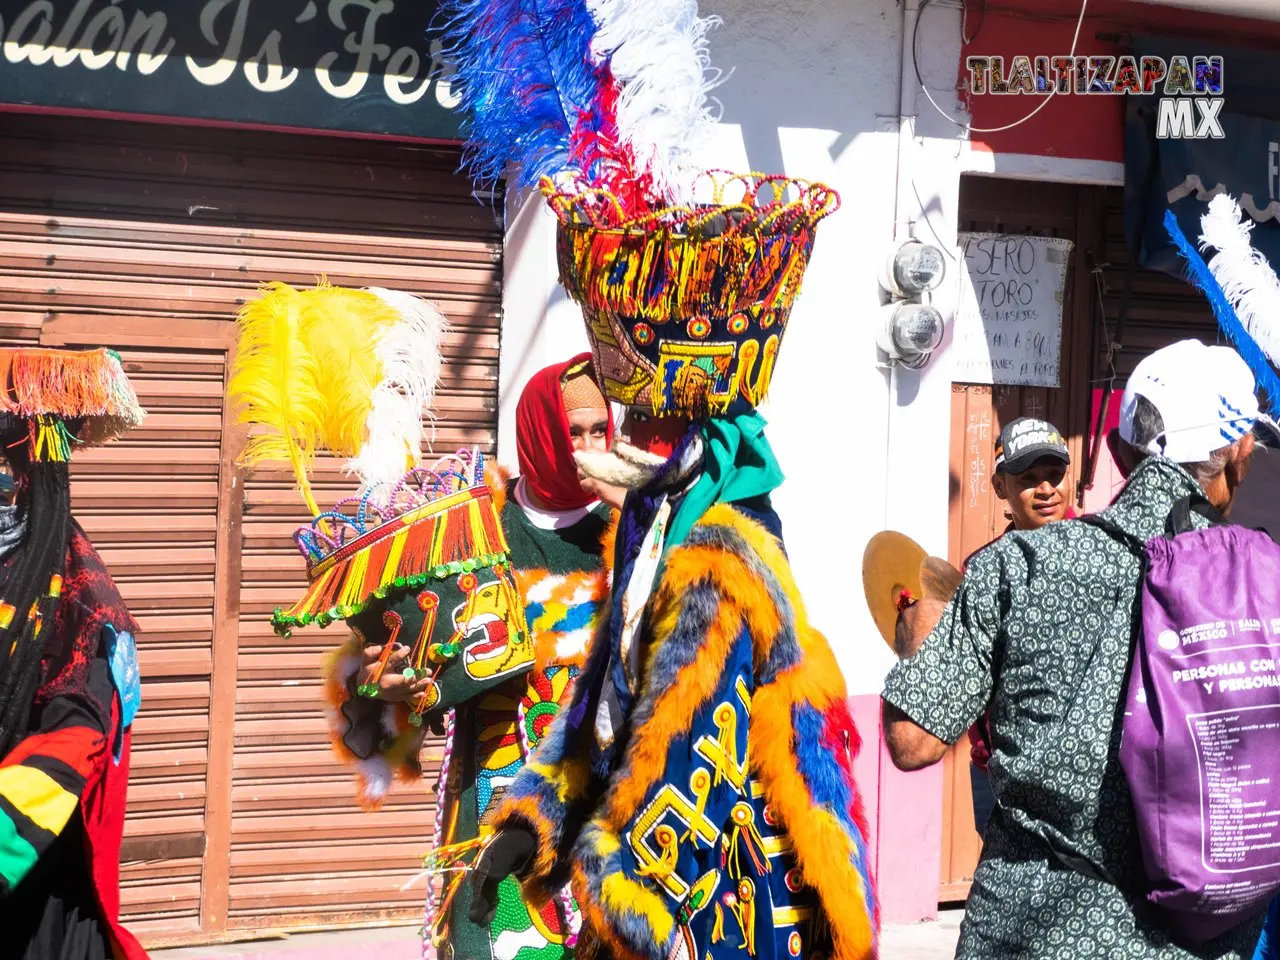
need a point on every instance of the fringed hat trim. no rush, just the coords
(456, 534)
(86, 385)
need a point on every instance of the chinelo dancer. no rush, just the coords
(555, 531)
(69, 682)
(454, 625)
(697, 790)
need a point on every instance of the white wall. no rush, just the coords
(814, 93)
(540, 324)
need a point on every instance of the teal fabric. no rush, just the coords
(739, 464)
(17, 855)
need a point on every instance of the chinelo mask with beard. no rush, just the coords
(631, 468)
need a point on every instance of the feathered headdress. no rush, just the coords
(1240, 285)
(348, 371)
(611, 94)
(417, 556)
(603, 104)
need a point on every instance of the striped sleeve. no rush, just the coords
(41, 779)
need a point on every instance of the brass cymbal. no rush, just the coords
(894, 563)
(890, 565)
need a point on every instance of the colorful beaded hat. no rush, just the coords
(685, 291)
(417, 556)
(422, 562)
(686, 307)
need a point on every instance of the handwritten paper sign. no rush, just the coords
(1008, 327)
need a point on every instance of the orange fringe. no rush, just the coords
(68, 383)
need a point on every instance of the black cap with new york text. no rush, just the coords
(1024, 441)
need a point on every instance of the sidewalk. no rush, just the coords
(922, 941)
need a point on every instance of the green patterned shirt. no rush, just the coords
(1041, 632)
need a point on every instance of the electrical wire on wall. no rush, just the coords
(964, 21)
(915, 63)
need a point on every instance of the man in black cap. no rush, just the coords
(1032, 475)
(1032, 464)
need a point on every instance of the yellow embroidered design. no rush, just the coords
(743, 907)
(665, 865)
(745, 836)
(671, 801)
(791, 916)
(700, 784)
(722, 752)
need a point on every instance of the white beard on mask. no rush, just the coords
(632, 468)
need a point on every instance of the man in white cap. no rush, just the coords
(1040, 630)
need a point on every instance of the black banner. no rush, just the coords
(360, 66)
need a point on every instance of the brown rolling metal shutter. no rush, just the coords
(147, 239)
(1163, 309)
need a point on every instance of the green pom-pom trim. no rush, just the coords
(283, 622)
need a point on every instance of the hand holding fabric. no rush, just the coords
(606, 493)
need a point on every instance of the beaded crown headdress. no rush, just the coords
(417, 556)
(686, 307)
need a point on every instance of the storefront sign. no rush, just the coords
(358, 66)
(1008, 327)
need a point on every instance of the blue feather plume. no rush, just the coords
(527, 78)
(1200, 276)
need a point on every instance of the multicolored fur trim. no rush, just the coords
(549, 796)
(563, 612)
(729, 576)
(496, 478)
(397, 757)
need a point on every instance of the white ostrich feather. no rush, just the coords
(390, 721)
(376, 778)
(657, 51)
(409, 352)
(1246, 278)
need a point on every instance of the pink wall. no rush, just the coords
(905, 813)
(1106, 479)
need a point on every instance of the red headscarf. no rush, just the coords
(543, 446)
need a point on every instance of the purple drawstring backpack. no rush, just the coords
(1200, 744)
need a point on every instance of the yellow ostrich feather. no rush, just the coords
(347, 371)
(275, 379)
(342, 328)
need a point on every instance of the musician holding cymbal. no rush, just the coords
(907, 590)
(1032, 476)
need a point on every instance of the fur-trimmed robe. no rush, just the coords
(732, 827)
